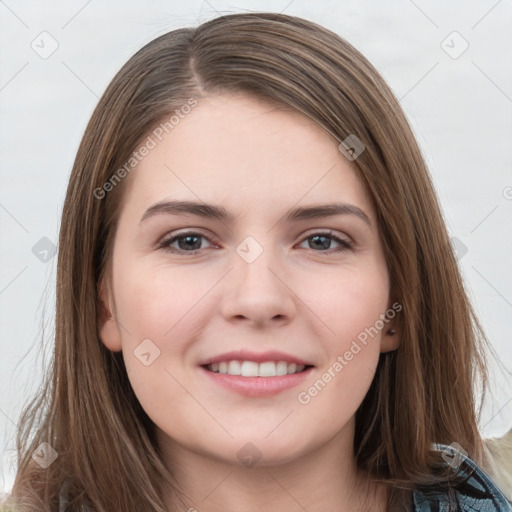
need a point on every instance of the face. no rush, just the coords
(264, 277)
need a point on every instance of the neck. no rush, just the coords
(324, 479)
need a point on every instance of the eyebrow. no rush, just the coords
(220, 213)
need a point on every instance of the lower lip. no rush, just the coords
(258, 386)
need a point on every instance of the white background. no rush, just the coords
(460, 109)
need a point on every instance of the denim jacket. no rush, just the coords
(478, 493)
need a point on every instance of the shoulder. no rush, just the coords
(476, 492)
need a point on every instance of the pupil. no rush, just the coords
(326, 241)
(188, 239)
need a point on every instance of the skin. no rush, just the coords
(257, 161)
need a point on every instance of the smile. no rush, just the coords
(252, 379)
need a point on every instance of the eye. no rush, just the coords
(323, 240)
(188, 242)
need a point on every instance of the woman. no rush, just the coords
(255, 371)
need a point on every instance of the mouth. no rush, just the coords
(256, 379)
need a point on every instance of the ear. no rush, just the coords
(109, 331)
(391, 335)
(389, 341)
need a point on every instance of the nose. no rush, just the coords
(258, 293)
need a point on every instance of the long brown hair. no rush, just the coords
(423, 392)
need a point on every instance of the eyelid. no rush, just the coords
(188, 231)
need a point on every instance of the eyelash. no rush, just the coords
(165, 244)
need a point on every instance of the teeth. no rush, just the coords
(234, 368)
(249, 369)
(267, 369)
(281, 368)
(252, 369)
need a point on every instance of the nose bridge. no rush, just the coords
(256, 266)
(258, 292)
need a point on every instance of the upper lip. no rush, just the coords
(257, 357)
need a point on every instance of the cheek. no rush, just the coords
(352, 311)
(350, 303)
(159, 312)
(158, 302)
(338, 389)
(351, 306)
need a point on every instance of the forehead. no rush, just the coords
(245, 153)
